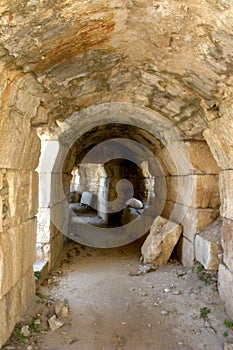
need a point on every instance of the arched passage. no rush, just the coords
(184, 175)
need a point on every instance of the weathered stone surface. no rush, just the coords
(225, 282)
(201, 157)
(160, 242)
(187, 251)
(204, 190)
(54, 323)
(227, 243)
(220, 141)
(192, 219)
(208, 246)
(228, 346)
(134, 203)
(226, 192)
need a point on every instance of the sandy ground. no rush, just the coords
(113, 308)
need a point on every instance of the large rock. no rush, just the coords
(208, 246)
(161, 241)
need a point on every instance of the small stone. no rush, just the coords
(54, 323)
(176, 292)
(123, 323)
(149, 325)
(166, 290)
(144, 294)
(62, 308)
(132, 289)
(25, 331)
(37, 321)
(180, 343)
(163, 312)
(156, 304)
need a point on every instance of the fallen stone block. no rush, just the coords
(208, 246)
(160, 242)
(134, 203)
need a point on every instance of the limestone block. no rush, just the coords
(56, 249)
(4, 332)
(17, 300)
(49, 152)
(227, 243)
(14, 131)
(225, 287)
(11, 258)
(192, 219)
(50, 189)
(161, 241)
(219, 137)
(187, 250)
(226, 193)
(43, 225)
(134, 203)
(29, 237)
(208, 246)
(13, 181)
(33, 194)
(86, 198)
(31, 152)
(198, 191)
(201, 157)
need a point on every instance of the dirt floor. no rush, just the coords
(114, 307)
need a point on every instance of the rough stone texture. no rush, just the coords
(14, 303)
(187, 252)
(58, 58)
(208, 246)
(226, 192)
(205, 192)
(160, 242)
(227, 243)
(225, 287)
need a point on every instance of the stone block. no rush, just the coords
(192, 219)
(43, 225)
(29, 237)
(14, 132)
(219, 137)
(30, 159)
(4, 332)
(201, 157)
(33, 194)
(87, 198)
(208, 246)
(226, 193)
(225, 287)
(187, 252)
(161, 241)
(198, 191)
(227, 243)
(11, 258)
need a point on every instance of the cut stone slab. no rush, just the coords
(225, 288)
(208, 246)
(160, 242)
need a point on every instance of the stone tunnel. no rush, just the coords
(78, 73)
